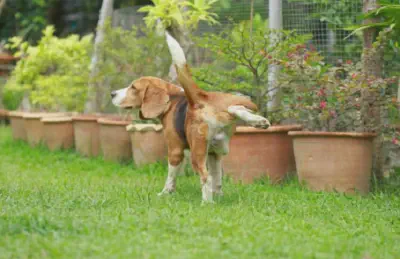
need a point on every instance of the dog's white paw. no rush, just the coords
(263, 123)
(166, 191)
(207, 202)
(218, 193)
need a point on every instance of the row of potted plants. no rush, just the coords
(111, 136)
(324, 161)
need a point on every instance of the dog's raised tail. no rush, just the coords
(184, 75)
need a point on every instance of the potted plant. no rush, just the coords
(53, 75)
(58, 132)
(115, 141)
(17, 125)
(148, 143)
(6, 60)
(336, 150)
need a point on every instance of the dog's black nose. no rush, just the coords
(113, 94)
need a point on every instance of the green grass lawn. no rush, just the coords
(59, 205)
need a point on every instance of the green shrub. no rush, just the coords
(128, 55)
(54, 73)
(10, 99)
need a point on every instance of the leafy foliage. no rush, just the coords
(328, 98)
(176, 13)
(9, 99)
(388, 18)
(389, 15)
(243, 57)
(55, 72)
(25, 19)
(130, 54)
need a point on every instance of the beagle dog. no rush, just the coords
(192, 119)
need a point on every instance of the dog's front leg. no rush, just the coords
(176, 164)
(248, 116)
(199, 153)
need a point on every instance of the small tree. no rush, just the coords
(243, 56)
(179, 17)
(2, 4)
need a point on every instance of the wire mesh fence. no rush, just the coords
(327, 21)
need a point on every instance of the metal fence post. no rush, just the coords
(275, 23)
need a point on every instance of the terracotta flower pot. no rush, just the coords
(3, 116)
(17, 125)
(334, 161)
(115, 141)
(148, 143)
(256, 153)
(34, 126)
(6, 59)
(58, 132)
(86, 131)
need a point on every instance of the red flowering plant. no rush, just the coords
(333, 98)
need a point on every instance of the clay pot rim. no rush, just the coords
(86, 117)
(17, 114)
(395, 126)
(56, 119)
(144, 127)
(111, 121)
(8, 57)
(33, 115)
(332, 134)
(272, 129)
(39, 115)
(4, 112)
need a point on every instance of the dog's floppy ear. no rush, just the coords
(155, 99)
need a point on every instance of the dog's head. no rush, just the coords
(149, 94)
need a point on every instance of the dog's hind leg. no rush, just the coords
(176, 164)
(248, 116)
(215, 168)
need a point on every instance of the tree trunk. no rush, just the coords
(25, 104)
(95, 93)
(2, 5)
(372, 60)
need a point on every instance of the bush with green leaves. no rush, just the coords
(242, 55)
(54, 73)
(329, 98)
(177, 13)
